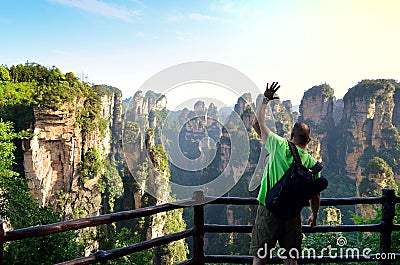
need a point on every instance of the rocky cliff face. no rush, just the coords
(338, 111)
(317, 104)
(138, 118)
(369, 129)
(198, 131)
(53, 156)
(396, 110)
(144, 104)
(138, 139)
(146, 174)
(283, 117)
(316, 109)
(365, 114)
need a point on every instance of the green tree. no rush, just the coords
(123, 239)
(4, 74)
(110, 184)
(379, 175)
(12, 187)
(48, 249)
(91, 165)
(176, 251)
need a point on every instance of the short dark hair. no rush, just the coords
(301, 133)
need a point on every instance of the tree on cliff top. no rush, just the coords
(367, 89)
(323, 89)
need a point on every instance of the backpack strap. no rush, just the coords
(295, 152)
(315, 169)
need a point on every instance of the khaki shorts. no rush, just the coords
(269, 229)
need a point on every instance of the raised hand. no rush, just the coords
(270, 92)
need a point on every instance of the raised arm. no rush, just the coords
(260, 113)
(256, 126)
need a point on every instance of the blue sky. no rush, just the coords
(123, 43)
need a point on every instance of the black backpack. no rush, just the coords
(296, 187)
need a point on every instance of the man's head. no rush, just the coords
(300, 133)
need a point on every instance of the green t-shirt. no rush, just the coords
(280, 160)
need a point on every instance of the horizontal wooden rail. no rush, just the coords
(120, 252)
(342, 228)
(217, 228)
(234, 201)
(324, 201)
(42, 230)
(214, 228)
(351, 201)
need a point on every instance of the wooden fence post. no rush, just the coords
(2, 233)
(388, 212)
(199, 230)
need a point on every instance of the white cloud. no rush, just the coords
(101, 8)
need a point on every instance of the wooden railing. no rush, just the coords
(388, 201)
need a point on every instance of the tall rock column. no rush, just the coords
(64, 161)
(369, 139)
(368, 110)
(316, 110)
(52, 156)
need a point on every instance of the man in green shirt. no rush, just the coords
(269, 228)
